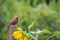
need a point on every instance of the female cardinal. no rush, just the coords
(13, 22)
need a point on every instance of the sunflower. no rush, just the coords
(19, 35)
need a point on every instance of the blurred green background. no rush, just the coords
(45, 14)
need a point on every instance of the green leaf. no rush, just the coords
(31, 25)
(57, 33)
(47, 31)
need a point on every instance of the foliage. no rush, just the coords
(39, 20)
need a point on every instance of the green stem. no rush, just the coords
(50, 37)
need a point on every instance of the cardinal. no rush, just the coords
(14, 21)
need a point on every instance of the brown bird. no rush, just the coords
(14, 21)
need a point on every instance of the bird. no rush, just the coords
(11, 28)
(13, 22)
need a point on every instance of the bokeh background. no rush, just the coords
(42, 15)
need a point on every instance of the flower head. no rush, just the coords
(19, 35)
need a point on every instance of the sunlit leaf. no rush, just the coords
(57, 33)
